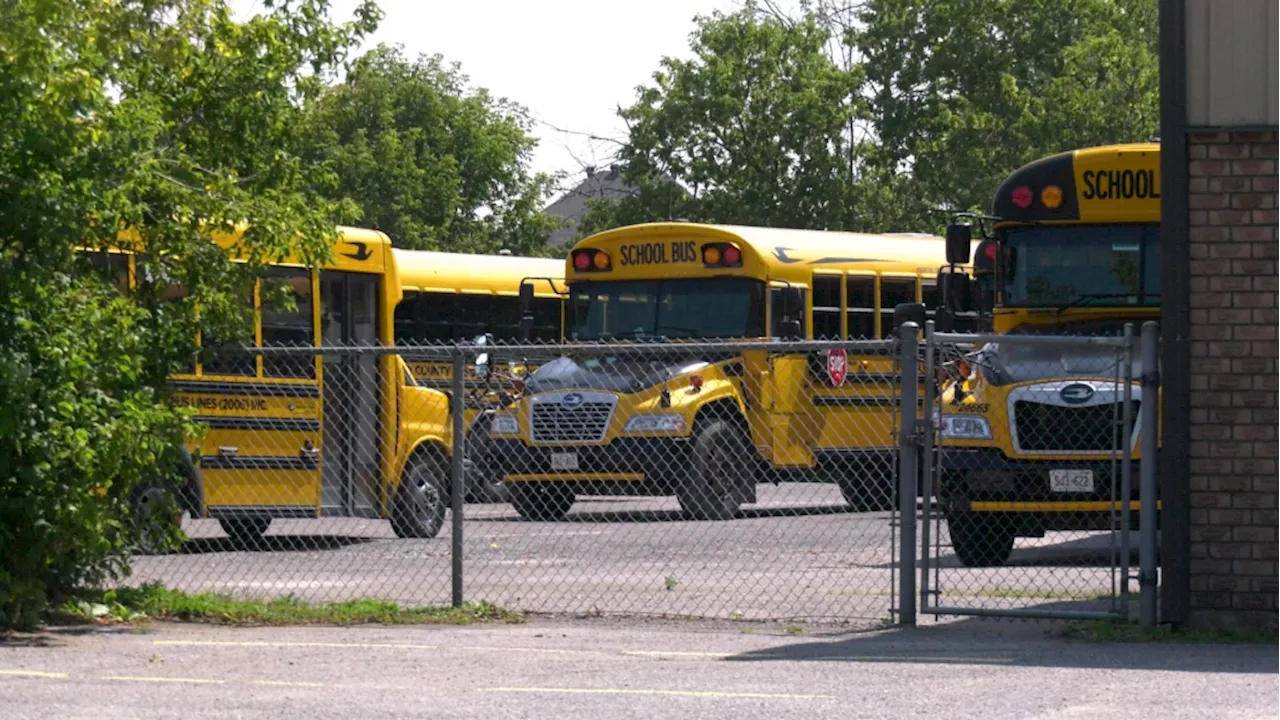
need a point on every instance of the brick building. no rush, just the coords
(1219, 319)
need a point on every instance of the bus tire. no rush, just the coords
(541, 501)
(154, 515)
(722, 466)
(980, 539)
(245, 532)
(420, 503)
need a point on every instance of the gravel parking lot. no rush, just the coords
(798, 553)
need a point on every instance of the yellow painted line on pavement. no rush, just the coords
(34, 674)
(664, 693)
(141, 678)
(675, 653)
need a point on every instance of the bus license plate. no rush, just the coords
(1071, 481)
(564, 461)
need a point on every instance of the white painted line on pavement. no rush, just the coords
(135, 678)
(667, 693)
(287, 683)
(34, 674)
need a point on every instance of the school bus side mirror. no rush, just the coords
(792, 311)
(955, 292)
(909, 312)
(526, 311)
(959, 240)
(944, 320)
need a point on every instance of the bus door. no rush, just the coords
(855, 396)
(352, 391)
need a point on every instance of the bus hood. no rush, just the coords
(610, 373)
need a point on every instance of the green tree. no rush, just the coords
(169, 119)
(962, 92)
(753, 129)
(433, 163)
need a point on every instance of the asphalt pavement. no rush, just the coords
(626, 669)
(799, 553)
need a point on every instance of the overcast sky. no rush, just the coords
(571, 62)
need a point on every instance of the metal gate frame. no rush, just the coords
(917, 434)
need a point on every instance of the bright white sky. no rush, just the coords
(570, 62)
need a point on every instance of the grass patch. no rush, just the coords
(1111, 631)
(154, 601)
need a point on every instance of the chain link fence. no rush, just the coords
(739, 480)
(1032, 460)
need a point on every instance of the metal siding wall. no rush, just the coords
(1232, 50)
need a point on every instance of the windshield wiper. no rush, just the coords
(1085, 297)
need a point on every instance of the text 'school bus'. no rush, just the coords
(454, 297)
(706, 428)
(1029, 441)
(346, 434)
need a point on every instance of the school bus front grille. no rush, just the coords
(570, 417)
(1043, 427)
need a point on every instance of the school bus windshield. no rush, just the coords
(1083, 265)
(687, 308)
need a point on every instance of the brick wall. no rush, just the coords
(1233, 219)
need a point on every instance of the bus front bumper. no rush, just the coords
(627, 465)
(1057, 495)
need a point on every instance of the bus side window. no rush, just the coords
(114, 268)
(435, 315)
(862, 307)
(894, 292)
(239, 364)
(406, 319)
(283, 327)
(826, 307)
(546, 320)
(775, 313)
(480, 314)
(929, 296)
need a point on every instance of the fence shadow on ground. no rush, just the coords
(273, 543)
(1020, 644)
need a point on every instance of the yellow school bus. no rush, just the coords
(1027, 442)
(305, 436)
(455, 297)
(707, 427)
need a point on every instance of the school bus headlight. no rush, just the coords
(1051, 196)
(504, 425)
(655, 423)
(963, 427)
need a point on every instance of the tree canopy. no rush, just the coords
(874, 116)
(172, 120)
(434, 164)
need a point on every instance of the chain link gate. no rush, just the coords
(1029, 464)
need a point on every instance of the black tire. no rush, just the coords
(245, 532)
(154, 516)
(541, 502)
(722, 467)
(870, 489)
(980, 539)
(484, 480)
(420, 503)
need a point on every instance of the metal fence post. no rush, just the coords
(458, 490)
(928, 442)
(908, 443)
(1148, 486)
(1125, 440)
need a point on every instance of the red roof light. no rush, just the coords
(1022, 197)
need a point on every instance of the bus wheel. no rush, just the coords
(980, 539)
(154, 517)
(542, 502)
(721, 468)
(245, 532)
(419, 505)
